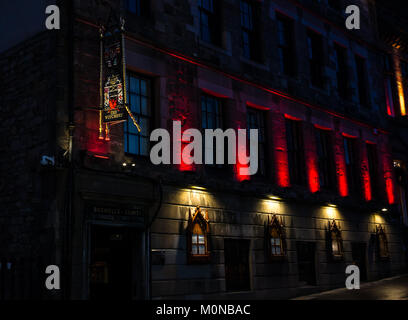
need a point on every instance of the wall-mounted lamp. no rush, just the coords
(197, 188)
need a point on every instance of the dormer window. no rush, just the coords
(276, 236)
(197, 238)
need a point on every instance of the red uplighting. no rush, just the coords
(100, 156)
(313, 172)
(341, 167)
(281, 154)
(365, 174)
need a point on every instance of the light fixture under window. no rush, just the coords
(197, 188)
(331, 205)
(272, 197)
(124, 164)
(384, 209)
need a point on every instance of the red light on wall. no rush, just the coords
(288, 116)
(257, 106)
(280, 152)
(341, 166)
(365, 175)
(313, 175)
(100, 156)
(389, 187)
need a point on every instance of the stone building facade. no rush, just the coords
(120, 227)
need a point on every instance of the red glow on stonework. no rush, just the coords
(184, 166)
(241, 177)
(341, 167)
(313, 174)
(389, 186)
(96, 145)
(366, 182)
(280, 152)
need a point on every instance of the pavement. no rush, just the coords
(395, 288)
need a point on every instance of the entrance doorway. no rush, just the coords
(113, 265)
(359, 250)
(236, 253)
(306, 263)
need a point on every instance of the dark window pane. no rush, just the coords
(324, 145)
(137, 143)
(255, 120)
(294, 138)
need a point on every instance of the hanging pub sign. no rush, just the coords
(113, 74)
(112, 84)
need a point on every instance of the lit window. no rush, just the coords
(276, 238)
(198, 229)
(139, 100)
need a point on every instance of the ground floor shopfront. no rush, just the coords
(116, 254)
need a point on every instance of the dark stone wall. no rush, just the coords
(28, 218)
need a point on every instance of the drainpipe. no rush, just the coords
(70, 178)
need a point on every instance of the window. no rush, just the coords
(139, 99)
(138, 7)
(210, 21)
(340, 54)
(336, 240)
(255, 120)
(362, 80)
(286, 48)
(353, 174)
(389, 86)
(250, 30)
(211, 117)
(404, 69)
(382, 243)
(198, 229)
(389, 96)
(276, 233)
(315, 55)
(335, 4)
(373, 168)
(324, 144)
(294, 139)
(236, 254)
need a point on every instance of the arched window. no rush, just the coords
(276, 238)
(336, 240)
(382, 243)
(197, 237)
